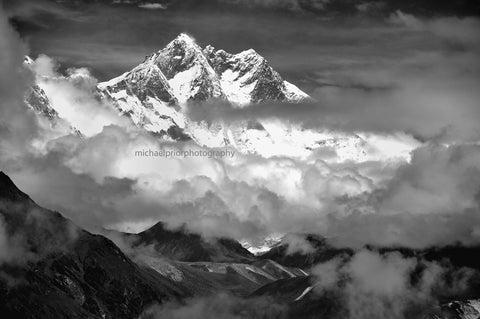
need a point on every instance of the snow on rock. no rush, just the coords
(304, 293)
(154, 94)
(247, 78)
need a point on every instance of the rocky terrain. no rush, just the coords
(51, 268)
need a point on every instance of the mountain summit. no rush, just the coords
(153, 93)
(183, 72)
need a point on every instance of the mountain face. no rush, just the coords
(222, 263)
(153, 93)
(37, 100)
(184, 72)
(321, 252)
(50, 268)
(247, 78)
(183, 246)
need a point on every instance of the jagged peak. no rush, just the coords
(184, 40)
(193, 72)
(184, 37)
(249, 52)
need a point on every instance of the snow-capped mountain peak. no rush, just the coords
(188, 71)
(196, 74)
(154, 92)
(247, 78)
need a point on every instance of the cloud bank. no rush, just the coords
(433, 200)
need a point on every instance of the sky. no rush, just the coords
(395, 77)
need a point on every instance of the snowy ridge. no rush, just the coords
(247, 78)
(265, 245)
(154, 95)
(183, 72)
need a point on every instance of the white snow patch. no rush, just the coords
(304, 293)
(293, 93)
(236, 91)
(181, 84)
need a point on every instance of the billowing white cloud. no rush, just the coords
(74, 97)
(98, 181)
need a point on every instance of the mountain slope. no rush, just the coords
(184, 246)
(221, 264)
(52, 269)
(247, 78)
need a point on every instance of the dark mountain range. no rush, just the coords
(457, 255)
(184, 246)
(53, 269)
(306, 303)
(297, 292)
(50, 268)
(322, 252)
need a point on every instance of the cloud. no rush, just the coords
(374, 285)
(97, 180)
(75, 97)
(453, 29)
(423, 83)
(17, 124)
(27, 232)
(11, 247)
(431, 201)
(297, 244)
(220, 306)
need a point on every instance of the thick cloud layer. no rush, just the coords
(97, 181)
(431, 201)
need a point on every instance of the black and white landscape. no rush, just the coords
(240, 159)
